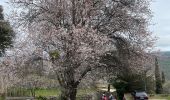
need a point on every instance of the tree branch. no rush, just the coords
(82, 75)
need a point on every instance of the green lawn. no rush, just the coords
(56, 92)
(47, 92)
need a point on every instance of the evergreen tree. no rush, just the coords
(158, 77)
(6, 33)
(1, 14)
(163, 77)
(120, 86)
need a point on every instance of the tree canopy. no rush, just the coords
(82, 31)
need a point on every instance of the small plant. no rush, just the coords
(54, 54)
(41, 98)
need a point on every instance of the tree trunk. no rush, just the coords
(68, 93)
(108, 88)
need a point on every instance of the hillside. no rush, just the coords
(165, 63)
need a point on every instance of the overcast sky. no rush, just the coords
(160, 9)
(161, 20)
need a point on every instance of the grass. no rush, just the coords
(47, 92)
(2, 98)
(151, 96)
(56, 92)
(87, 91)
(160, 96)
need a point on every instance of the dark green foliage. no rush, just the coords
(158, 79)
(54, 54)
(139, 81)
(6, 33)
(1, 15)
(41, 98)
(163, 77)
(134, 81)
(120, 86)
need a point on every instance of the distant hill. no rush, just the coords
(165, 63)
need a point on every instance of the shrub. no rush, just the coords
(41, 98)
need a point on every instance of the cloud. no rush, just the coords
(164, 41)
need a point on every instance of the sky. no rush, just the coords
(161, 21)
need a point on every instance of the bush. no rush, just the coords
(41, 98)
(120, 86)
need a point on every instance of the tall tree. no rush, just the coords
(158, 77)
(6, 33)
(163, 77)
(76, 33)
